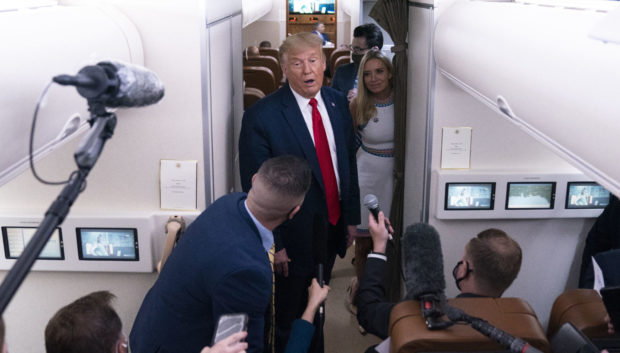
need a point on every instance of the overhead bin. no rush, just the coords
(540, 67)
(38, 43)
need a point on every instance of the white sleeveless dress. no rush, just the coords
(375, 161)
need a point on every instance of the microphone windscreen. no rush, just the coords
(423, 261)
(319, 238)
(371, 201)
(137, 87)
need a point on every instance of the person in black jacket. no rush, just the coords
(490, 264)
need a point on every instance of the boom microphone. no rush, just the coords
(115, 84)
(515, 344)
(424, 277)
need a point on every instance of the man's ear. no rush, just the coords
(294, 212)
(375, 48)
(254, 178)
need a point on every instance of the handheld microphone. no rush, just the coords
(115, 84)
(319, 235)
(424, 277)
(515, 344)
(372, 203)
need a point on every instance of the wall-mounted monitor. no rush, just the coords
(586, 195)
(298, 7)
(530, 196)
(469, 196)
(108, 244)
(15, 240)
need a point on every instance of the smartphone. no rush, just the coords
(611, 298)
(229, 324)
(570, 339)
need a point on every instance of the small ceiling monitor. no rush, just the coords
(108, 244)
(530, 195)
(586, 195)
(15, 240)
(469, 196)
(316, 7)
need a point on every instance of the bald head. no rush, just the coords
(253, 51)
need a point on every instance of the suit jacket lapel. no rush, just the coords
(295, 119)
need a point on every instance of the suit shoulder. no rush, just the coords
(332, 92)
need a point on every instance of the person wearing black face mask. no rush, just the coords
(365, 37)
(490, 264)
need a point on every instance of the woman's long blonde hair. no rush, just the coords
(364, 102)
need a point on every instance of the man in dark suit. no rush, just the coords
(221, 265)
(365, 38)
(313, 122)
(490, 264)
(319, 30)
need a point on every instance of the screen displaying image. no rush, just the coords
(530, 195)
(108, 244)
(586, 195)
(311, 6)
(469, 196)
(15, 240)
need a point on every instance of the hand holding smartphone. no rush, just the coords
(230, 324)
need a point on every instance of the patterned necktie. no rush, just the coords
(271, 339)
(325, 162)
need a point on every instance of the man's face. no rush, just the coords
(321, 28)
(359, 47)
(304, 68)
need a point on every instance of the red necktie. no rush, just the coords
(325, 162)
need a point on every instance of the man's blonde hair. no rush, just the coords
(300, 40)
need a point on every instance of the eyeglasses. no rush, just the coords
(357, 50)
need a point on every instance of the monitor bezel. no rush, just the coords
(78, 232)
(551, 203)
(490, 208)
(5, 242)
(589, 183)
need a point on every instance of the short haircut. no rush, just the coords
(287, 175)
(496, 260)
(265, 44)
(300, 40)
(372, 33)
(89, 324)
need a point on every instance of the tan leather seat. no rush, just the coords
(409, 334)
(251, 95)
(341, 61)
(584, 308)
(335, 55)
(259, 77)
(273, 52)
(268, 62)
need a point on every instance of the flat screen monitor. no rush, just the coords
(108, 244)
(469, 196)
(530, 196)
(15, 240)
(586, 195)
(298, 7)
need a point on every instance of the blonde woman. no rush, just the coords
(373, 117)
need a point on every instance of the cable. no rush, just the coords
(31, 144)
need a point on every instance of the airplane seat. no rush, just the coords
(259, 77)
(338, 53)
(268, 62)
(584, 308)
(251, 95)
(409, 334)
(273, 52)
(341, 61)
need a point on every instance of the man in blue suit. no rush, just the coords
(313, 122)
(221, 265)
(365, 37)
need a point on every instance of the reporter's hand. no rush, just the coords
(316, 296)
(230, 344)
(378, 232)
(610, 326)
(280, 262)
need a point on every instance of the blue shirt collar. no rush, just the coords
(266, 236)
